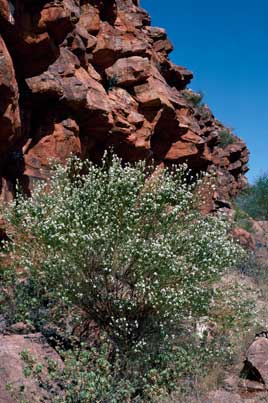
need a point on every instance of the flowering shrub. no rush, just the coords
(126, 248)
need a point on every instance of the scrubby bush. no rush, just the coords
(126, 248)
(194, 98)
(254, 199)
(242, 219)
(226, 138)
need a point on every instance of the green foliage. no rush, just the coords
(254, 266)
(111, 83)
(89, 376)
(254, 200)
(194, 98)
(226, 138)
(128, 250)
(243, 220)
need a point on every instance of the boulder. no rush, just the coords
(113, 44)
(257, 361)
(129, 71)
(153, 94)
(54, 140)
(176, 76)
(244, 237)
(130, 17)
(90, 18)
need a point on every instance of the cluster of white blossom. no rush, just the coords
(122, 243)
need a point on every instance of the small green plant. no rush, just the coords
(243, 220)
(111, 83)
(226, 138)
(255, 268)
(194, 98)
(89, 376)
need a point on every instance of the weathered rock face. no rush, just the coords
(9, 110)
(92, 74)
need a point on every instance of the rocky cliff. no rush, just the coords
(78, 76)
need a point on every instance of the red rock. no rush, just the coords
(185, 118)
(55, 141)
(9, 108)
(65, 65)
(91, 43)
(136, 118)
(97, 98)
(257, 358)
(130, 17)
(78, 43)
(176, 76)
(47, 85)
(235, 166)
(244, 237)
(163, 46)
(38, 32)
(5, 11)
(93, 73)
(192, 137)
(128, 126)
(129, 71)
(112, 44)
(90, 18)
(153, 94)
(156, 33)
(103, 67)
(59, 19)
(123, 105)
(180, 150)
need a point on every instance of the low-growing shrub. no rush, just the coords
(123, 247)
(226, 138)
(89, 376)
(243, 220)
(254, 199)
(111, 83)
(194, 98)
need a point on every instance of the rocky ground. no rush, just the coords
(247, 381)
(14, 385)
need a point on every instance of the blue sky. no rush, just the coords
(225, 44)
